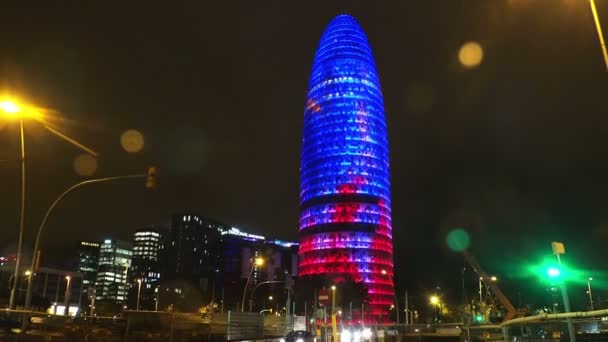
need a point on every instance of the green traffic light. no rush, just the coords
(478, 318)
(553, 272)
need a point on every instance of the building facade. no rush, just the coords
(191, 265)
(240, 249)
(88, 261)
(345, 200)
(144, 277)
(114, 265)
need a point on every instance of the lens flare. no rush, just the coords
(470, 55)
(85, 165)
(132, 141)
(458, 240)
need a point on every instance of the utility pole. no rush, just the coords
(558, 248)
(407, 309)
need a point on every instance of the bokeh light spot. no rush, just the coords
(85, 165)
(470, 54)
(132, 141)
(458, 240)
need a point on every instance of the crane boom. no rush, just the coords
(511, 311)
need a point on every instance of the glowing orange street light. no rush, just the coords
(13, 109)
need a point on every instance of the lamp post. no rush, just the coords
(256, 287)
(13, 110)
(436, 303)
(333, 299)
(156, 299)
(138, 293)
(492, 278)
(256, 262)
(589, 291)
(384, 272)
(67, 295)
(28, 294)
(480, 290)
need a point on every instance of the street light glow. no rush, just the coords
(384, 272)
(434, 300)
(259, 261)
(493, 278)
(333, 287)
(27, 273)
(9, 107)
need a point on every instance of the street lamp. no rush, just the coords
(138, 293)
(13, 110)
(589, 291)
(436, 302)
(384, 272)
(67, 295)
(256, 287)
(156, 299)
(256, 263)
(333, 299)
(491, 278)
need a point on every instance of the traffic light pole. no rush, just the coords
(566, 299)
(28, 295)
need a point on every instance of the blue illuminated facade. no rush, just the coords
(345, 215)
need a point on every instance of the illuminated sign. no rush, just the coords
(236, 232)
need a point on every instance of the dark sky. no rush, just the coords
(514, 150)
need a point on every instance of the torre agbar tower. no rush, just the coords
(345, 199)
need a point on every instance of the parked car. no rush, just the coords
(7, 324)
(299, 336)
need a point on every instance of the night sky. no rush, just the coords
(514, 151)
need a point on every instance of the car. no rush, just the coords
(8, 325)
(299, 336)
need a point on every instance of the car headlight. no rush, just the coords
(366, 333)
(299, 340)
(282, 340)
(345, 335)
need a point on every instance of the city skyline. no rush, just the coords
(510, 150)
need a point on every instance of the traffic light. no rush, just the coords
(478, 318)
(553, 272)
(151, 179)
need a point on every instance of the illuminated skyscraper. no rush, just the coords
(144, 268)
(113, 267)
(345, 215)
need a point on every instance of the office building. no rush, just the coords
(114, 263)
(192, 254)
(345, 199)
(144, 277)
(88, 259)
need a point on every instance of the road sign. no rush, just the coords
(324, 297)
(558, 248)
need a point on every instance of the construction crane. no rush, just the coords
(511, 311)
